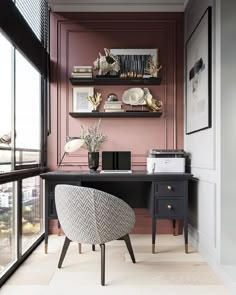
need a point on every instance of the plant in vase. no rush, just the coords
(93, 140)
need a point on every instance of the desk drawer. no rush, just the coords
(169, 188)
(169, 207)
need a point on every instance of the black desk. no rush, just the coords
(165, 194)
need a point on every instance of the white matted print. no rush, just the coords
(80, 99)
(198, 76)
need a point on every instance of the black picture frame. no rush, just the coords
(199, 75)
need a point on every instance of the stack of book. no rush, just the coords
(113, 106)
(82, 72)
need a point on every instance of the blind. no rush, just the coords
(36, 14)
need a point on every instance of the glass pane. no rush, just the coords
(27, 112)
(5, 104)
(32, 211)
(7, 227)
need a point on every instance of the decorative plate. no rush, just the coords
(134, 96)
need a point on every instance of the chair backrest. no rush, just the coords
(92, 216)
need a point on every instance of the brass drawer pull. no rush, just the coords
(169, 207)
(169, 187)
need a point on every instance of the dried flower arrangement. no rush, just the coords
(92, 137)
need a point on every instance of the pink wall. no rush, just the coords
(76, 39)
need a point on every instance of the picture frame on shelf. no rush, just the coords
(198, 76)
(138, 61)
(80, 102)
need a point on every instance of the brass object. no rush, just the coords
(186, 248)
(153, 104)
(169, 187)
(169, 207)
(153, 248)
(95, 100)
(46, 248)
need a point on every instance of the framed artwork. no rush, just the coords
(135, 61)
(80, 99)
(198, 76)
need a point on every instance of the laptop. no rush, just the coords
(116, 162)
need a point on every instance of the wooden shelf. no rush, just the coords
(115, 81)
(116, 115)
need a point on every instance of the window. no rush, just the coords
(5, 103)
(28, 98)
(23, 100)
(7, 226)
(32, 213)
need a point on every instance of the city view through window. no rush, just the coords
(20, 114)
(31, 218)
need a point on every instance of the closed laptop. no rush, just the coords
(116, 161)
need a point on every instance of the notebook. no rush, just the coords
(116, 162)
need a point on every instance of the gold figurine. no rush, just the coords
(152, 69)
(152, 104)
(95, 100)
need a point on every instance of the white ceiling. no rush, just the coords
(117, 5)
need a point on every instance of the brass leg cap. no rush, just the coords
(153, 248)
(46, 249)
(186, 248)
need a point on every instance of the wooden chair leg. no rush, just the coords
(93, 247)
(63, 252)
(129, 247)
(58, 228)
(102, 264)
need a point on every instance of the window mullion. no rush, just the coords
(13, 109)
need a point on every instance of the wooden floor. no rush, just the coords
(169, 271)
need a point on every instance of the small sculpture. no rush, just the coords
(152, 69)
(151, 103)
(95, 100)
(134, 96)
(106, 63)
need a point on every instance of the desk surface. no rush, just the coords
(134, 176)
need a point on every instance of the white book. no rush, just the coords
(113, 106)
(114, 111)
(82, 75)
(82, 67)
(113, 102)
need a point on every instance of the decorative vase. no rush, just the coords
(93, 161)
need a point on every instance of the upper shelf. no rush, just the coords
(115, 81)
(135, 114)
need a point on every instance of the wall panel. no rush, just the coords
(76, 39)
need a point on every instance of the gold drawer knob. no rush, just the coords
(169, 187)
(169, 207)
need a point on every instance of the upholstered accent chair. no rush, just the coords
(91, 216)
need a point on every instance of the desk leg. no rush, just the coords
(186, 235)
(153, 234)
(174, 227)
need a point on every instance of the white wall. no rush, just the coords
(202, 146)
(213, 150)
(228, 131)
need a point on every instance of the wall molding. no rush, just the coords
(63, 87)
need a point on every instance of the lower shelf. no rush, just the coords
(116, 115)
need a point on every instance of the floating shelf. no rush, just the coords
(115, 81)
(116, 115)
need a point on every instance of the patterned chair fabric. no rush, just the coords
(90, 216)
